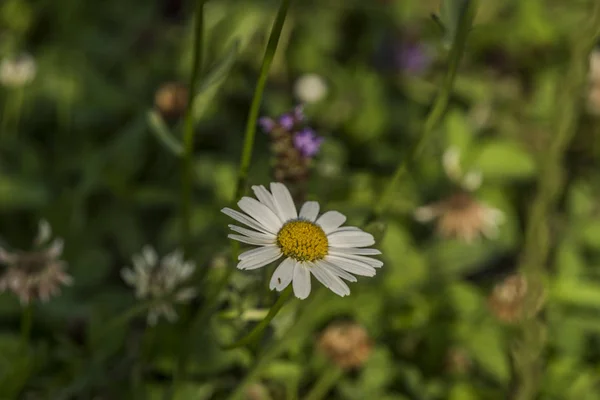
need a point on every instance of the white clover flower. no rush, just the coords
(310, 88)
(309, 245)
(37, 274)
(160, 281)
(17, 71)
(463, 217)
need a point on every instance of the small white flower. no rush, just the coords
(17, 71)
(160, 281)
(37, 274)
(309, 245)
(310, 88)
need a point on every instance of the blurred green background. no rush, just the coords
(79, 148)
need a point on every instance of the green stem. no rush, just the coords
(120, 320)
(258, 329)
(188, 134)
(324, 384)
(26, 324)
(246, 157)
(437, 111)
(529, 346)
(276, 348)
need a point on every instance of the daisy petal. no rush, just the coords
(249, 240)
(256, 252)
(350, 239)
(301, 281)
(310, 210)
(334, 269)
(260, 213)
(244, 219)
(364, 252)
(283, 275)
(284, 201)
(331, 220)
(265, 197)
(252, 234)
(373, 262)
(348, 229)
(257, 261)
(329, 280)
(352, 266)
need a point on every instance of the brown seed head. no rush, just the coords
(346, 344)
(507, 300)
(171, 99)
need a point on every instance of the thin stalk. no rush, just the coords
(324, 384)
(255, 334)
(250, 133)
(276, 348)
(437, 111)
(26, 324)
(528, 347)
(188, 133)
(121, 320)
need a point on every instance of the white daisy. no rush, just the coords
(308, 244)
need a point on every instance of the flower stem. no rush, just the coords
(26, 324)
(246, 157)
(437, 111)
(258, 329)
(324, 384)
(276, 348)
(529, 345)
(188, 135)
(120, 320)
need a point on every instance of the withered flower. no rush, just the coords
(508, 299)
(462, 216)
(346, 344)
(171, 99)
(37, 274)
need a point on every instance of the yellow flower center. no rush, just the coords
(302, 240)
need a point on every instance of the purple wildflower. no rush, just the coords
(307, 142)
(413, 58)
(287, 121)
(266, 124)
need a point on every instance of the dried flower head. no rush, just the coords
(458, 361)
(17, 71)
(508, 299)
(160, 281)
(346, 344)
(310, 88)
(37, 274)
(462, 216)
(171, 99)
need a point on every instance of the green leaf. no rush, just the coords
(458, 131)
(486, 346)
(570, 291)
(589, 234)
(163, 134)
(213, 81)
(504, 160)
(19, 194)
(451, 12)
